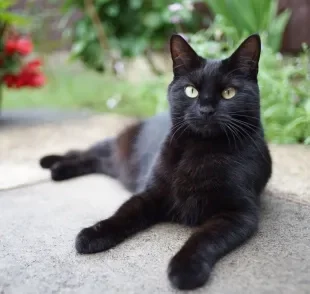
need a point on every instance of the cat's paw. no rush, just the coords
(92, 240)
(63, 170)
(186, 273)
(49, 160)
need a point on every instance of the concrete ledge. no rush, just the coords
(38, 226)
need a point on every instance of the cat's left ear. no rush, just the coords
(246, 57)
(184, 57)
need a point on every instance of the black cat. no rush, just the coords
(203, 165)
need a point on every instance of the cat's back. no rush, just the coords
(152, 134)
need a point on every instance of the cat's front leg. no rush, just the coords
(138, 213)
(191, 267)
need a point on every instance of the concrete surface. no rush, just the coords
(21, 145)
(38, 226)
(38, 116)
(39, 221)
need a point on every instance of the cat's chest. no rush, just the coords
(195, 168)
(194, 185)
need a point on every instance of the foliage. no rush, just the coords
(131, 27)
(16, 70)
(284, 83)
(84, 89)
(7, 17)
(253, 16)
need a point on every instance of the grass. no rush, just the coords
(85, 89)
(284, 83)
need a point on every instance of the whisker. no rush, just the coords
(175, 128)
(250, 137)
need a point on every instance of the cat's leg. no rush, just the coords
(48, 161)
(83, 165)
(136, 214)
(191, 266)
(96, 159)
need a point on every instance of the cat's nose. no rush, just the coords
(207, 110)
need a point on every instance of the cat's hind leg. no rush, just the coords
(49, 160)
(97, 159)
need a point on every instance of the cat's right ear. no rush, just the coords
(246, 57)
(184, 58)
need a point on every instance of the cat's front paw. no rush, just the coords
(93, 240)
(188, 272)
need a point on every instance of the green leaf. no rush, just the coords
(13, 18)
(152, 20)
(307, 141)
(135, 4)
(4, 4)
(100, 2)
(113, 9)
(307, 106)
(78, 47)
(276, 30)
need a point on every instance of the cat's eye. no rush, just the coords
(229, 93)
(191, 92)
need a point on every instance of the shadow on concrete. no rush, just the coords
(39, 116)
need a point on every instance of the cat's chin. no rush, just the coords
(205, 129)
(206, 133)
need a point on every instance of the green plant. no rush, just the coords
(110, 29)
(85, 89)
(285, 88)
(284, 82)
(253, 16)
(15, 70)
(7, 17)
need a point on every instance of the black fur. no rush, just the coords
(205, 164)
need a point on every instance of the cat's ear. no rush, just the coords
(184, 58)
(246, 57)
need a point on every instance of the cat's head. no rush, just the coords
(213, 97)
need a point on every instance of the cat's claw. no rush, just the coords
(188, 274)
(90, 240)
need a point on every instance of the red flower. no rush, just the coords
(8, 80)
(34, 64)
(24, 46)
(26, 78)
(37, 80)
(30, 74)
(10, 46)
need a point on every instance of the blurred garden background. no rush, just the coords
(112, 55)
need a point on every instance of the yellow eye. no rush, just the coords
(191, 92)
(229, 93)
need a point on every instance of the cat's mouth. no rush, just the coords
(204, 125)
